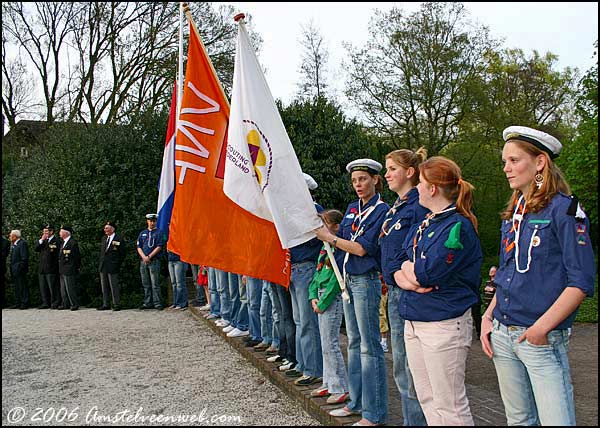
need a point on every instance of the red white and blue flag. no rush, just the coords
(166, 184)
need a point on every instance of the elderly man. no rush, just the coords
(69, 263)
(19, 266)
(48, 247)
(112, 254)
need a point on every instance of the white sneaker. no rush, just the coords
(286, 366)
(228, 328)
(384, 346)
(273, 359)
(222, 323)
(236, 332)
(204, 308)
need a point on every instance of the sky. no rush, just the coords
(566, 29)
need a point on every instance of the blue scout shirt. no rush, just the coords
(561, 257)
(448, 257)
(148, 240)
(366, 228)
(393, 233)
(308, 251)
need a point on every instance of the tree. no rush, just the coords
(313, 83)
(41, 31)
(579, 159)
(85, 176)
(513, 90)
(106, 62)
(325, 141)
(16, 88)
(412, 79)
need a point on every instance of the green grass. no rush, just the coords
(588, 311)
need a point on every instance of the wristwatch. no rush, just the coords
(334, 242)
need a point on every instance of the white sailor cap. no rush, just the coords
(151, 216)
(541, 140)
(310, 182)
(364, 165)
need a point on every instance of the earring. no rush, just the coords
(539, 180)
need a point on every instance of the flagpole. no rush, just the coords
(180, 65)
(188, 15)
(338, 275)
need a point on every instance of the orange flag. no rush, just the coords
(208, 228)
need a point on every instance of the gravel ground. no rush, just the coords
(130, 368)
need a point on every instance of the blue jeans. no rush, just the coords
(254, 288)
(266, 313)
(308, 340)
(150, 274)
(225, 297)
(287, 329)
(177, 273)
(535, 380)
(335, 377)
(411, 409)
(215, 299)
(239, 302)
(366, 363)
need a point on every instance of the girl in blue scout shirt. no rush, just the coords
(546, 270)
(358, 237)
(402, 175)
(442, 280)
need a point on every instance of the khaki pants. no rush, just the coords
(437, 356)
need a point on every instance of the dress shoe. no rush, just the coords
(116, 308)
(74, 308)
(43, 307)
(22, 307)
(103, 308)
(62, 308)
(252, 343)
(54, 307)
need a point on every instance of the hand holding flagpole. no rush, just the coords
(334, 265)
(338, 275)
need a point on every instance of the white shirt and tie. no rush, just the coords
(108, 241)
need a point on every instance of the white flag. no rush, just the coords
(262, 172)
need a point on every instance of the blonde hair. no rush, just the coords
(407, 159)
(537, 198)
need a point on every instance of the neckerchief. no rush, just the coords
(509, 241)
(386, 227)
(424, 225)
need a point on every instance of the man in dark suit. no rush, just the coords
(48, 247)
(112, 253)
(69, 263)
(19, 266)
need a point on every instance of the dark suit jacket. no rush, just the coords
(19, 258)
(48, 250)
(111, 258)
(69, 259)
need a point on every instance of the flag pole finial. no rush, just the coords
(186, 7)
(239, 16)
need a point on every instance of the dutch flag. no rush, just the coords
(166, 184)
